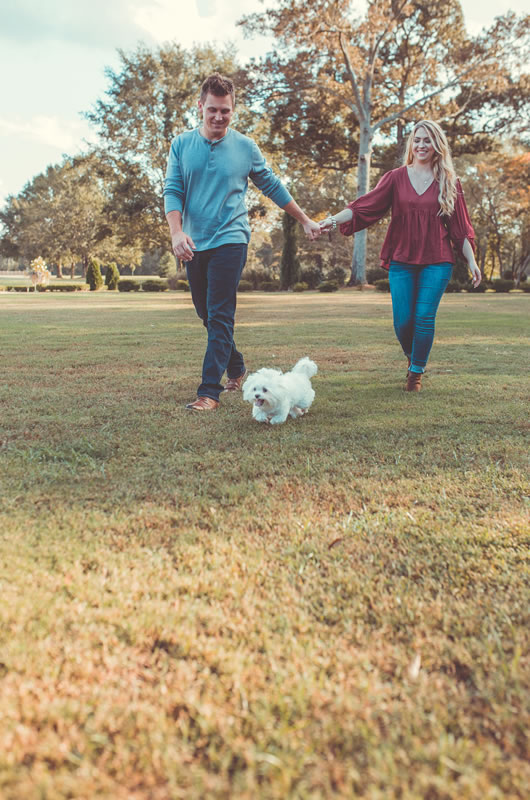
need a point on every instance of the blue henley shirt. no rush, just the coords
(207, 182)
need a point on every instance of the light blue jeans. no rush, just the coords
(416, 293)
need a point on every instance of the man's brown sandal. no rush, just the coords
(203, 404)
(234, 384)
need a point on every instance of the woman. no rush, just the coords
(428, 214)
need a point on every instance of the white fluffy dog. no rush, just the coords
(276, 395)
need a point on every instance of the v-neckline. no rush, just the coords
(414, 188)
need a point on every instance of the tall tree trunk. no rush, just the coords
(289, 264)
(59, 270)
(358, 267)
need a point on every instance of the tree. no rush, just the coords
(59, 215)
(93, 275)
(289, 264)
(112, 276)
(497, 187)
(369, 76)
(167, 264)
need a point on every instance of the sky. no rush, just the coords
(53, 55)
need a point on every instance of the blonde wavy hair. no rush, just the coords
(442, 163)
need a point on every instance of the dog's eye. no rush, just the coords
(264, 389)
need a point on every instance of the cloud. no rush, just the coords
(198, 22)
(64, 135)
(100, 23)
(206, 8)
(105, 24)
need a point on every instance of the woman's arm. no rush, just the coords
(366, 210)
(330, 223)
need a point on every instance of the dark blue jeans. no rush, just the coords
(416, 293)
(214, 276)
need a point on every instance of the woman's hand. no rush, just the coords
(476, 276)
(327, 224)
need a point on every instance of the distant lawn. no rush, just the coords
(205, 607)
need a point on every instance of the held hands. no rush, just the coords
(183, 246)
(327, 225)
(312, 230)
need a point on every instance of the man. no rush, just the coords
(206, 182)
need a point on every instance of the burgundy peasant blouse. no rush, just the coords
(416, 234)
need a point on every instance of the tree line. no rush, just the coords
(330, 107)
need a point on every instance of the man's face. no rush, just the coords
(216, 115)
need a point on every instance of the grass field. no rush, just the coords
(198, 606)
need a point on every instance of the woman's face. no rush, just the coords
(422, 149)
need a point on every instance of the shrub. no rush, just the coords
(64, 287)
(525, 287)
(454, 286)
(480, 289)
(501, 285)
(154, 285)
(338, 275)
(312, 276)
(256, 277)
(245, 286)
(328, 286)
(128, 285)
(179, 284)
(523, 278)
(93, 275)
(376, 274)
(507, 275)
(382, 285)
(300, 287)
(270, 286)
(112, 276)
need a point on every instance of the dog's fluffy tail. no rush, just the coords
(306, 367)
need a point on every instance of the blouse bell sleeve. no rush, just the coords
(371, 207)
(459, 224)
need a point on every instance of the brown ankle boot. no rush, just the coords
(413, 382)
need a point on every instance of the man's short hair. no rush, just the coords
(219, 86)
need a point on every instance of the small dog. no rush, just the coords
(276, 395)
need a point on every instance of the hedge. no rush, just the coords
(154, 285)
(501, 285)
(328, 286)
(128, 285)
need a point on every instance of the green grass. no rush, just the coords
(199, 606)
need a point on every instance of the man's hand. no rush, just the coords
(312, 230)
(183, 246)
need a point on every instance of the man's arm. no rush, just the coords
(174, 198)
(271, 186)
(311, 229)
(182, 244)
